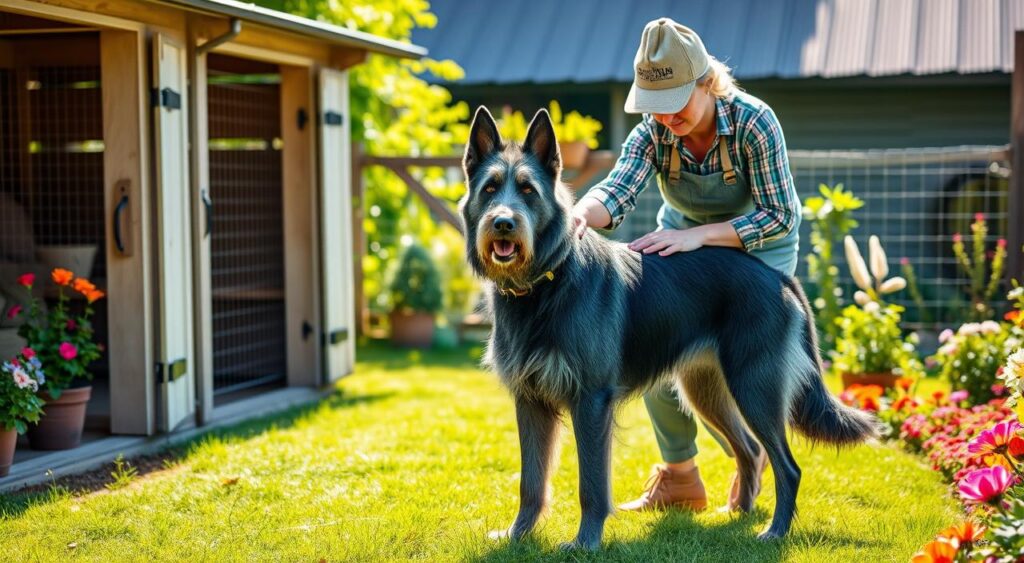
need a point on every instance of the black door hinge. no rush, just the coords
(336, 336)
(333, 118)
(167, 373)
(301, 118)
(166, 97)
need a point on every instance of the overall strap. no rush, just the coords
(674, 164)
(728, 174)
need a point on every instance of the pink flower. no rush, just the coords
(945, 335)
(13, 311)
(904, 261)
(28, 353)
(1001, 243)
(957, 396)
(986, 484)
(957, 238)
(22, 379)
(68, 350)
(979, 217)
(27, 280)
(998, 389)
(995, 439)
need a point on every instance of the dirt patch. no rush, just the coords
(97, 479)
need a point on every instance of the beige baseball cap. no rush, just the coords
(668, 63)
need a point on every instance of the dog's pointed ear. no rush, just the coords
(483, 140)
(541, 142)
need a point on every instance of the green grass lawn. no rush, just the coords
(416, 458)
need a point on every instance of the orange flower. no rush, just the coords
(95, 295)
(905, 383)
(966, 532)
(1012, 315)
(61, 276)
(942, 550)
(83, 286)
(1016, 446)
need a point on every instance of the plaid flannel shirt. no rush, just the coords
(763, 162)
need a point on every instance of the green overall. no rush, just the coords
(691, 200)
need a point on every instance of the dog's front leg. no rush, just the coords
(592, 422)
(538, 432)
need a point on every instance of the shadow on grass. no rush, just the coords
(677, 536)
(15, 503)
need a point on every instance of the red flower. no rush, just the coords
(1016, 447)
(71, 324)
(13, 311)
(68, 350)
(27, 280)
(28, 353)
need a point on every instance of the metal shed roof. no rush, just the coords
(331, 33)
(540, 41)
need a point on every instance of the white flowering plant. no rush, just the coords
(971, 357)
(20, 379)
(1012, 376)
(870, 340)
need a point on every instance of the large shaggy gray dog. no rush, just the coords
(581, 324)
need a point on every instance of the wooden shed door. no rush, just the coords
(175, 368)
(336, 225)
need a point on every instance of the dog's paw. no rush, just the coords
(768, 536)
(499, 535)
(578, 545)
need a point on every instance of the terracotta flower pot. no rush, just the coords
(60, 427)
(885, 380)
(574, 154)
(415, 330)
(8, 439)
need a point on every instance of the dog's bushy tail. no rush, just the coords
(816, 413)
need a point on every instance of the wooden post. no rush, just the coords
(358, 240)
(1015, 214)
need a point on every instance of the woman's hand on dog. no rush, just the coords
(668, 241)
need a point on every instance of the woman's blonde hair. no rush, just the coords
(719, 79)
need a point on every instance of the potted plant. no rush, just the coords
(63, 341)
(576, 133)
(870, 347)
(20, 379)
(415, 299)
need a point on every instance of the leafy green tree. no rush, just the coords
(396, 112)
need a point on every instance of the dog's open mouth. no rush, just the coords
(504, 251)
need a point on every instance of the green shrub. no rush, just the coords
(416, 286)
(870, 341)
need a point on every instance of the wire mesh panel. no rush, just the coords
(915, 201)
(247, 236)
(51, 186)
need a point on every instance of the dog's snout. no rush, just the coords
(504, 224)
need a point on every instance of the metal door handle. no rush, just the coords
(119, 239)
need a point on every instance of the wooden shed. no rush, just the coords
(192, 157)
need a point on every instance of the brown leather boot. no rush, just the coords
(734, 489)
(666, 488)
